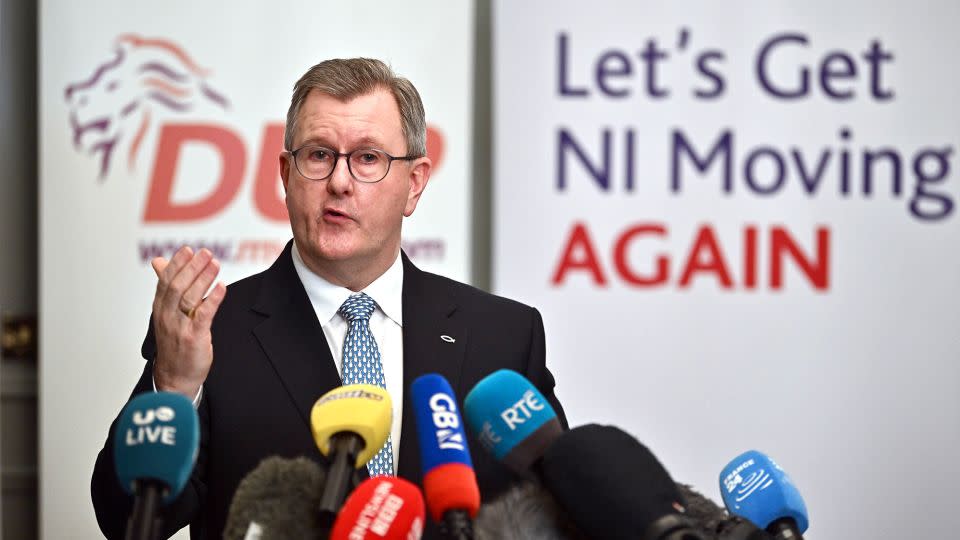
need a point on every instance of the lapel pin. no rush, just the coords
(447, 338)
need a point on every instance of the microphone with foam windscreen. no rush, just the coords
(526, 511)
(277, 500)
(613, 487)
(512, 419)
(714, 521)
(350, 424)
(383, 507)
(155, 448)
(449, 482)
(754, 487)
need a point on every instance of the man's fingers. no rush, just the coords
(158, 264)
(178, 285)
(180, 259)
(208, 307)
(194, 294)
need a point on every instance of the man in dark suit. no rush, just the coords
(278, 336)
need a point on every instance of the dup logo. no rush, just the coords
(151, 92)
(115, 106)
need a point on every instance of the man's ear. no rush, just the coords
(284, 169)
(419, 176)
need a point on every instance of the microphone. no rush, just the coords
(755, 488)
(512, 419)
(527, 511)
(350, 424)
(382, 507)
(714, 520)
(613, 487)
(449, 483)
(154, 448)
(277, 499)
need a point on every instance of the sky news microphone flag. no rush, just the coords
(155, 448)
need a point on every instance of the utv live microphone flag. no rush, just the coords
(449, 482)
(754, 487)
(350, 424)
(155, 448)
(512, 419)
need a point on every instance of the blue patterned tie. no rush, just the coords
(361, 365)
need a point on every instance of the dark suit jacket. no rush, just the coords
(272, 362)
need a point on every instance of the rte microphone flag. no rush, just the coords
(512, 419)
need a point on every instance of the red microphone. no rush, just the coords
(381, 507)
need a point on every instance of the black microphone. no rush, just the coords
(280, 498)
(613, 487)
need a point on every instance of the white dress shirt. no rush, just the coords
(386, 324)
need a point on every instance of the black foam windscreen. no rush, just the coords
(611, 485)
(708, 515)
(281, 497)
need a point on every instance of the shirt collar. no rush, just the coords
(386, 290)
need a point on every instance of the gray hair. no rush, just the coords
(347, 78)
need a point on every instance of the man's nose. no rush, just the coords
(340, 181)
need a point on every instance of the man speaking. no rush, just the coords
(254, 357)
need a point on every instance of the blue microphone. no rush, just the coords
(755, 488)
(154, 448)
(449, 482)
(512, 419)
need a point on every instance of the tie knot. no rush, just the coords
(358, 307)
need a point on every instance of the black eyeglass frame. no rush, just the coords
(336, 160)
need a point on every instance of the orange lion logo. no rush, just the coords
(116, 102)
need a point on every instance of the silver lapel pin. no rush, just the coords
(447, 338)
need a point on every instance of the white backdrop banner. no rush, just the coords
(160, 125)
(737, 219)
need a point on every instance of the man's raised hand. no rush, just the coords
(182, 319)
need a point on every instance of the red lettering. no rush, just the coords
(267, 188)
(706, 244)
(750, 258)
(620, 257)
(816, 271)
(579, 238)
(173, 137)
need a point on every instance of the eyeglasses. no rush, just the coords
(367, 165)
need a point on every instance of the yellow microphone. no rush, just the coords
(350, 424)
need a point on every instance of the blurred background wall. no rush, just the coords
(582, 150)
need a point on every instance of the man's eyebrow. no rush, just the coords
(316, 141)
(368, 142)
(363, 142)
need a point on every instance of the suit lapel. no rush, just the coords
(434, 341)
(292, 338)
